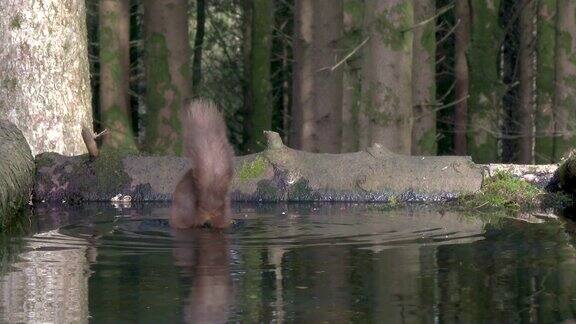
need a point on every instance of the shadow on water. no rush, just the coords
(288, 263)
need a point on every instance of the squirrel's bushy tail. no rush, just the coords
(203, 193)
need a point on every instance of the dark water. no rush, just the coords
(287, 263)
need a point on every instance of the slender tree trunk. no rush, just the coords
(44, 73)
(317, 106)
(167, 60)
(486, 87)
(352, 82)
(545, 76)
(424, 80)
(198, 45)
(565, 66)
(509, 14)
(247, 64)
(462, 44)
(387, 73)
(259, 87)
(280, 66)
(526, 103)
(114, 33)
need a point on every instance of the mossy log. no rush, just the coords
(276, 174)
(540, 175)
(16, 171)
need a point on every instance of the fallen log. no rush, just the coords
(276, 174)
(16, 171)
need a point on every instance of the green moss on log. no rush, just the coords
(509, 193)
(253, 169)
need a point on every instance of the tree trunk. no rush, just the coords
(198, 46)
(424, 80)
(565, 66)
(486, 87)
(526, 102)
(352, 82)
(258, 107)
(462, 43)
(44, 74)
(387, 73)
(114, 33)
(167, 60)
(509, 14)
(16, 172)
(317, 106)
(545, 77)
(281, 65)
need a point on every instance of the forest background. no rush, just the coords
(494, 79)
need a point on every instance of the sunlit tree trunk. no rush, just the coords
(44, 73)
(114, 34)
(387, 73)
(486, 87)
(317, 90)
(526, 102)
(461, 70)
(258, 104)
(545, 77)
(565, 66)
(424, 80)
(167, 60)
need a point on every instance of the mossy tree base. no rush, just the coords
(16, 171)
(276, 174)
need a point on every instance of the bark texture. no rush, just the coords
(16, 171)
(114, 31)
(545, 78)
(276, 174)
(462, 75)
(167, 61)
(565, 94)
(387, 73)
(259, 88)
(486, 87)
(424, 80)
(527, 71)
(317, 87)
(44, 75)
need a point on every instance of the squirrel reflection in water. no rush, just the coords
(202, 198)
(204, 255)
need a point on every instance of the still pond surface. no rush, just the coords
(288, 263)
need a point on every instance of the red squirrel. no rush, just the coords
(202, 195)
